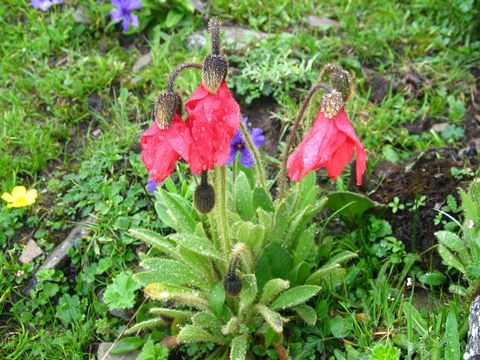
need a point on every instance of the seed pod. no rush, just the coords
(331, 104)
(232, 284)
(214, 71)
(204, 198)
(167, 104)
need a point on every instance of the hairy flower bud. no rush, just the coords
(338, 78)
(204, 196)
(214, 71)
(331, 104)
(232, 284)
(342, 82)
(167, 104)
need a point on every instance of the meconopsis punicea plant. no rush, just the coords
(239, 263)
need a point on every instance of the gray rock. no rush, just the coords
(142, 61)
(80, 15)
(235, 38)
(31, 252)
(472, 351)
(440, 127)
(103, 353)
(321, 22)
(59, 253)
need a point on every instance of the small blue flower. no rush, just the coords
(151, 186)
(124, 11)
(238, 145)
(44, 5)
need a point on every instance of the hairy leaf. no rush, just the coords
(198, 245)
(271, 317)
(147, 324)
(243, 197)
(295, 296)
(156, 240)
(307, 313)
(192, 334)
(183, 295)
(272, 289)
(238, 347)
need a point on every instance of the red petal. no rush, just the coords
(340, 158)
(213, 120)
(316, 148)
(329, 143)
(343, 124)
(158, 148)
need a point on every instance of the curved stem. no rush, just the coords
(256, 155)
(293, 133)
(178, 69)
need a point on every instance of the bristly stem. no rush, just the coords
(214, 26)
(293, 133)
(178, 69)
(204, 181)
(256, 155)
(220, 185)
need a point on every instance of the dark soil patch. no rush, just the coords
(259, 114)
(426, 174)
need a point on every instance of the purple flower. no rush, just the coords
(151, 186)
(124, 11)
(44, 5)
(238, 145)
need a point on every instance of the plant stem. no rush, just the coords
(214, 26)
(293, 133)
(220, 184)
(260, 170)
(178, 69)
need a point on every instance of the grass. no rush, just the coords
(73, 110)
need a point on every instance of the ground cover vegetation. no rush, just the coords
(382, 270)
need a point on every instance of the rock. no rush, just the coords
(80, 15)
(378, 84)
(31, 252)
(96, 133)
(235, 38)
(321, 22)
(59, 253)
(440, 127)
(103, 353)
(472, 351)
(142, 61)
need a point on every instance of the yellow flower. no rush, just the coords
(20, 197)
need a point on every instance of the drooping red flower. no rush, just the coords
(213, 120)
(162, 148)
(330, 143)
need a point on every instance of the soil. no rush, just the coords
(428, 174)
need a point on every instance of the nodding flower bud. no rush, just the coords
(167, 104)
(331, 104)
(214, 71)
(232, 282)
(342, 82)
(339, 79)
(204, 196)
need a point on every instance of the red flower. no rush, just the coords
(330, 143)
(162, 148)
(213, 120)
